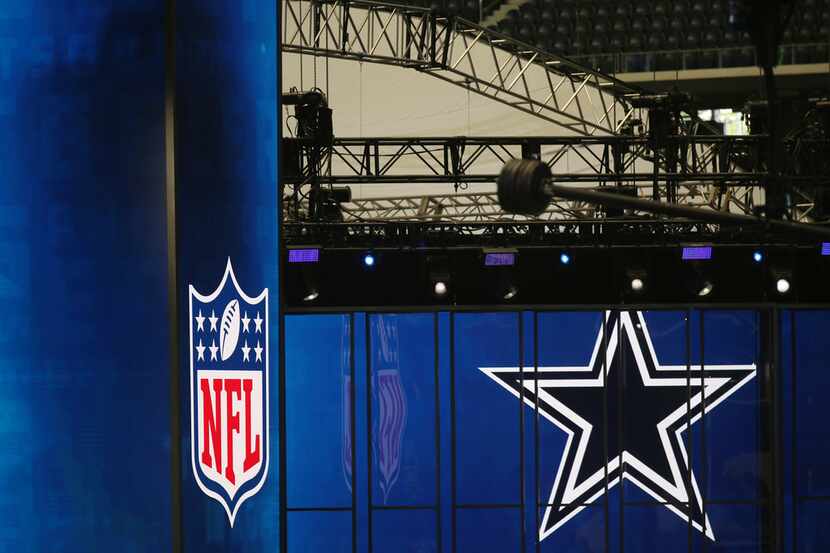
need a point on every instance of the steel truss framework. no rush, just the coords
(589, 233)
(714, 172)
(602, 112)
(561, 91)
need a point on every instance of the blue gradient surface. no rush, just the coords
(226, 132)
(84, 329)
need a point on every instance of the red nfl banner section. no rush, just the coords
(229, 363)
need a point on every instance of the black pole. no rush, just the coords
(172, 279)
(706, 215)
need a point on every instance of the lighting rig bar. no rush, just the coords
(394, 266)
(554, 88)
(566, 233)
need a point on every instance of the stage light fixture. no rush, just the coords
(310, 290)
(636, 280)
(699, 281)
(706, 289)
(757, 256)
(440, 276)
(511, 292)
(565, 258)
(782, 280)
(369, 260)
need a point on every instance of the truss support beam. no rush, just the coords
(554, 88)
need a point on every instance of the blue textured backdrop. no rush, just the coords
(84, 353)
(85, 463)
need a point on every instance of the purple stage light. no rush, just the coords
(499, 259)
(304, 255)
(691, 253)
(825, 248)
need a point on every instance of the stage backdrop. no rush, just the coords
(85, 324)
(553, 431)
(84, 358)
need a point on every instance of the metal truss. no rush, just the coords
(556, 89)
(713, 172)
(573, 233)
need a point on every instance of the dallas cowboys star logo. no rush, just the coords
(660, 402)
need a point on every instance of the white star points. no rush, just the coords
(258, 351)
(246, 351)
(200, 322)
(213, 349)
(200, 350)
(213, 318)
(258, 322)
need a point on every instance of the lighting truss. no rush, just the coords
(528, 234)
(696, 169)
(554, 88)
(708, 171)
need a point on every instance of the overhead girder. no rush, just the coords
(557, 89)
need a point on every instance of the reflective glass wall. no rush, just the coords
(675, 430)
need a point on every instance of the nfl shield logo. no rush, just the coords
(229, 392)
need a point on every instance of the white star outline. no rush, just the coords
(676, 489)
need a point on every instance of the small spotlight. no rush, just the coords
(311, 296)
(510, 293)
(636, 279)
(369, 260)
(706, 289)
(564, 258)
(757, 256)
(440, 276)
(782, 279)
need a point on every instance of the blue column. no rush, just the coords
(227, 215)
(84, 358)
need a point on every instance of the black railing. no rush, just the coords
(701, 58)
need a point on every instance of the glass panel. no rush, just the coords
(317, 383)
(488, 530)
(812, 383)
(487, 413)
(320, 531)
(403, 409)
(405, 531)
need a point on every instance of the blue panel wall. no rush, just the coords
(226, 146)
(84, 328)
(450, 459)
(85, 462)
